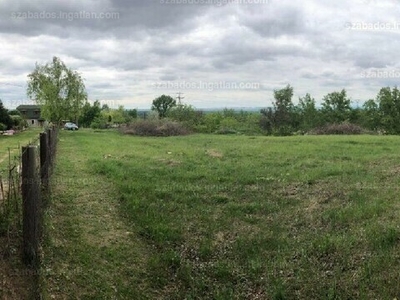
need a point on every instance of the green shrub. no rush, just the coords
(98, 123)
(229, 123)
(212, 121)
(18, 122)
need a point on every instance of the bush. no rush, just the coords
(211, 122)
(342, 128)
(161, 127)
(18, 122)
(187, 115)
(98, 123)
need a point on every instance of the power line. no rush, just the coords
(179, 97)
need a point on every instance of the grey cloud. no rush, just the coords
(118, 18)
(168, 77)
(274, 20)
(303, 43)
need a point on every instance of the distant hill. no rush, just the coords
(216, 109)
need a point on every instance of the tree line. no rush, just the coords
(381, 114)
(61, 93)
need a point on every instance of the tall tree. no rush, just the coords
(283, 110)
(371, 118)
(389, 107)
(59, 91)
(162, 105)
(267, 119)
(336, 107)
(5, 117)
(309, 115)
(89, 113)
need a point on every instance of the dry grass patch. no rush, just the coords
(214, 153)
(170, 162)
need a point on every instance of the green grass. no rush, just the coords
(10, 149)
(14, 142)
(226, 217)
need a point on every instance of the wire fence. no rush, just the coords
(23, 192)
(10, 194)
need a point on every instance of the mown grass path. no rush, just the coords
(90, 252)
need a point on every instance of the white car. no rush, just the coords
(70, 126)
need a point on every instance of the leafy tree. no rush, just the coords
(308, 113)
(371, 118)
(5, 118)
(162, 105)
(336, 107)
(119, 116)
(185, 113)
(212, 121)
(267, 119)
(14, 112)
(229, 113)
(18, 122)
(389, 107)
(99, 122)
(283, 120)
(283, 105)
(132, 113)
(59, 90)
(89, 113)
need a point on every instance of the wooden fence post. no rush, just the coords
(50, 148)
(44, 160)
(31, 206)
(55, 134)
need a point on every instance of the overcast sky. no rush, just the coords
(220, 53)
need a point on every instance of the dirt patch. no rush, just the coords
(214, 153)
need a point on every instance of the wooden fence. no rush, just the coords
(27, 188)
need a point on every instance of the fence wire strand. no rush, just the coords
(21, 197)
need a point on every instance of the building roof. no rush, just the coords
(28, 106)
(29, 111)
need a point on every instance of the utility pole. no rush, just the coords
(179, 97)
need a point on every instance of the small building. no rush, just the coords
(31, 113)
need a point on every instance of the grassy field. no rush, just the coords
(224, 217)
(14, 143)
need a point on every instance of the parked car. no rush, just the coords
(70, 126)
